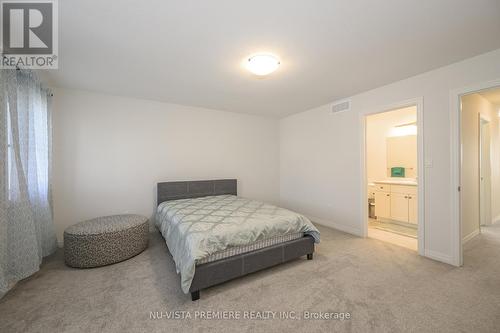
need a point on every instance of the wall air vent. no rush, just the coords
(341, 106)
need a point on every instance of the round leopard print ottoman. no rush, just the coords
(105, 240)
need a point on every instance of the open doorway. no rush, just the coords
(392, 159)
(480, 162)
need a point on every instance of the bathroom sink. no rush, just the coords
(409, 182)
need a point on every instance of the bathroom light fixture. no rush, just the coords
(262, 64)
(403, 130)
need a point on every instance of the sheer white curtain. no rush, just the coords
(26, 228)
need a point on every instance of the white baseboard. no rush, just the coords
(470, 236)
(342, 227)
(434, 255)
(447, 259)
(496, 219)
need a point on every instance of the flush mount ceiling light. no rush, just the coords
(262, 64)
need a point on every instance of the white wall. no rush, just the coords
(109, 153)
(378, 128)
(320, 154)
(474, 105)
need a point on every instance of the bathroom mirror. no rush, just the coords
(402, 152)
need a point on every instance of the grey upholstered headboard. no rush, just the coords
(193, 189)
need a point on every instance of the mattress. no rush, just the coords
(205, 229)
(234, 251)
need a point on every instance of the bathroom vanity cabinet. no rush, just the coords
(396, 202)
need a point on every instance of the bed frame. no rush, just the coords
(216, 272)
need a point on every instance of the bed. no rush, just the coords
(215, 236)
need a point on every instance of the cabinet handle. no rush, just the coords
(406, 197)
(388, 195)
(409, 197)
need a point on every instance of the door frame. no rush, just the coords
(456, 162)
(482, 122)
(419, 103)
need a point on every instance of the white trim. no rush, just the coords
(364, 178)
(482, 121)
(496, 219)
(471, 235)
(455, 154)
(419, 103)
(439, 256)
(342, 227)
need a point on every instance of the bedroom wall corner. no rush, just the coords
(320, 154)
(109, 152)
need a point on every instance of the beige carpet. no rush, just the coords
(384, 287)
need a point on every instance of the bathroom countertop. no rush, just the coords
(397, 182)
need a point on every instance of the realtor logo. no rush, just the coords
(29, 34)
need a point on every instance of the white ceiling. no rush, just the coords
(190, 51)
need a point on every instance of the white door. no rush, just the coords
(399, 207)
(413, 209)
(382, 204)
(484, 173)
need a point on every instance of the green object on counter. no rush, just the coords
(398, 172)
